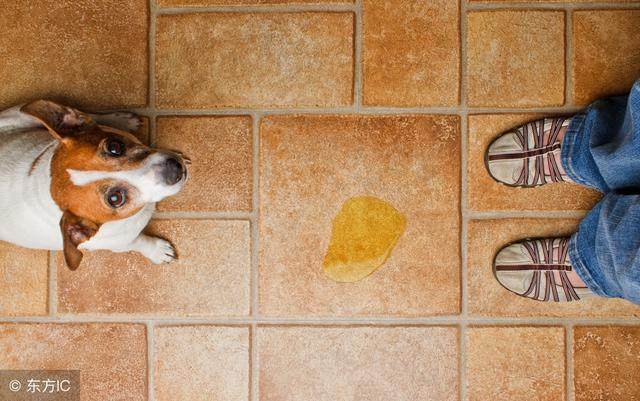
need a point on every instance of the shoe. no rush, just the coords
(539, 269)
(529, 155)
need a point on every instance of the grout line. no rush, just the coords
(52, 296)
(464, 135)
(569, 362)
(204, 215)
(358, 50)
(151, 355)
(568, 54)
(253, 363)
(505, 6)
(293, 8)
(450, 320)
(552, 214)
(367, 110)
(255, 245)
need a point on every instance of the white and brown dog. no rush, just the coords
(71, 180)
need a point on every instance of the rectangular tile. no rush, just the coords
(254, 60)
(23, 281)
(91, 54)
(607, 363)
(111, 357)
(205, 3)
(211, 276)
(484, 193)
(515, 363)
(374, 364)
(411, 162)
(515, 58)
(487, 297)
(606, 55)
(220, 149)
(411, 53)
(201, 363)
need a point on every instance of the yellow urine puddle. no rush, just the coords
(364, 233)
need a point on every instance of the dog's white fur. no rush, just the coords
(30, 218)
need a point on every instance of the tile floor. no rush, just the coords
(287, 109)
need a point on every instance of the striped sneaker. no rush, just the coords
(529, 155)
(539, 269)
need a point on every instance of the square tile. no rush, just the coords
(411, 53)
(364, 363)
(311, 165)
(220, 149)
(202, 363)
(111, 357)
(254, 60)
(515, 364)
(515, 58)
(211, 276)
(606, 361)
(488, 298)
(24, 281)
(85, 53)
(484, 193)
(205, 3)
(606, 55)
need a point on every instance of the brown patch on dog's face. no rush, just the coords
(99, 149)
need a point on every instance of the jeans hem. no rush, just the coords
(568, 144)
(581, 269)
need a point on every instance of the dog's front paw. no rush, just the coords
(160, 251)
(130, 121)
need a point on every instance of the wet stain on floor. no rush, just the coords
(365, 231)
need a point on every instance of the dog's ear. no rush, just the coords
(61, 121)
(75, 230)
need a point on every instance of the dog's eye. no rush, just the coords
(116, 197)
(115, 147)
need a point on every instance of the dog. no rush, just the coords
(75, 181)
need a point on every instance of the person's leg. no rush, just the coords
(601, 148)
(605, 251)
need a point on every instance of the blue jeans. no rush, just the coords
(601, 150)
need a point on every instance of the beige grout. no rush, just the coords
(464, 136)
(284, 8)
(358, 54)
(569, 362)
(559, 5)
(448, 320)
(151, 361)
(255, 248)
(52, 298)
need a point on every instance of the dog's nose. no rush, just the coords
(173, 171)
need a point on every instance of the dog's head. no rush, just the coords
(100, 174)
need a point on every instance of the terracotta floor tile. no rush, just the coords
(515, 364)
(411, 53)
(607, 363)
(202, 363)
(515, 58)
(221, 151)
(412, 162)
(606, 55)
(91, 54)
(111, 357)
(204, 3)
(254, 60)
(23, 281)
(488, 298)
(357, 363)
(211, 276)
(484, 193)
